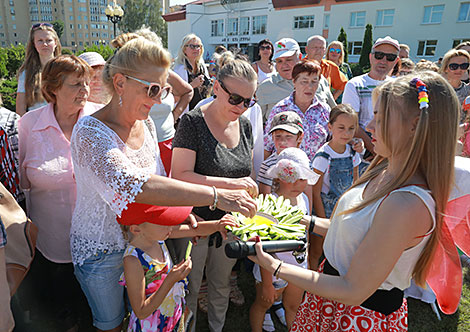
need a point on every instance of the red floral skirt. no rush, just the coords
(318, 314)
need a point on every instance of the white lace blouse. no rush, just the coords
(109, 175)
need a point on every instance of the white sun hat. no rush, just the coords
(292, 165)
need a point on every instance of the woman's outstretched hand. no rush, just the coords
(263, 259)
(236, 201)
(246, 183)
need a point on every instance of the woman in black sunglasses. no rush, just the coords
(213, 145)
(43, 45)
(264, 66)
(454, 66)
(189, 64)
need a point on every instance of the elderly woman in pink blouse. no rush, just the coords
(46, 175)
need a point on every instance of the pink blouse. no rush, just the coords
(46, 175)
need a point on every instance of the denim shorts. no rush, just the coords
(98, 276)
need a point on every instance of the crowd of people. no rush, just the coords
(121, 163)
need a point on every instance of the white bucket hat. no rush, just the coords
(292, 165)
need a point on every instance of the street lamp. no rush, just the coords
(114, 14)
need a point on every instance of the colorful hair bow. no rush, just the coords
(423, 98)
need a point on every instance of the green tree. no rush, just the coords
(342, 37)
(138, 13)
(3, 63)
(15, 56)
(366, 47)
(58, 27)
(8, 93)
(66, 51)
(105, 50)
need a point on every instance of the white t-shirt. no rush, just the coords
(323, 165)
(358, 94)
(162, 116)
(21, 89)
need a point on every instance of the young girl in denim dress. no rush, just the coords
(336, 161)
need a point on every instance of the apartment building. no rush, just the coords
(429, 27)
(85, 21)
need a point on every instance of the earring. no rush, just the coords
(120, 101)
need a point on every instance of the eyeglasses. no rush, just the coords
(264, 47)
(193, 46)
(235, 99)
(455, 66)
(37, 25)
(380, 55)
(335, 50)
(154, 88)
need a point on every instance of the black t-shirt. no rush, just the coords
(212, 158)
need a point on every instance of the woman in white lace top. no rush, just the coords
(116, 162)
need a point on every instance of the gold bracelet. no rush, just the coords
(278, 270)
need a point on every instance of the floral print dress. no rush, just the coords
(167, 317)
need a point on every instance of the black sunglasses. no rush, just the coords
(455, 66)
(265, 47)
(235, 99)
(37, 25)
(154, 89)
(380, 55)
(193, 46)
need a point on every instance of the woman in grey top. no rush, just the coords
(213, 146)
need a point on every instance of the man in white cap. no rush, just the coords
(98, 93)
(280, 85)
(358, 90)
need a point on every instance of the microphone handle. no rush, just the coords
(241, 249)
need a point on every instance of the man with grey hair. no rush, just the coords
(316, 47)
(280, 85)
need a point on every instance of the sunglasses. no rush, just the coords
(37, 25)
(455, 66)
(380, 55)
(264, 47)
(193, 46)
(335, 50)
(235, 99)
(154, 88)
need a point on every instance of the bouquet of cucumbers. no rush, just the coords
(276, 219)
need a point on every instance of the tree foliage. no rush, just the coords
(138, 13)
(15, 58)
(342, 37)
(366, 47)
(58, 27)
(3, 63)
(8, 93)
(105, 50)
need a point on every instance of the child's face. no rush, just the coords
(283, 139)
(294, 188)
(154, 232)
(343, 129)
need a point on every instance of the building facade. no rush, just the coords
(429, 27)
(85, 21)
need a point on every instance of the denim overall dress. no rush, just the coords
(341, 178)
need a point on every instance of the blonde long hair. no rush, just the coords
(431, 151)
(32, 66)
(180, 59)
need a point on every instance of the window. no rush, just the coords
(217, 28)
(71, 18)
(12, 11)
(80, 43)
(244, 26)
(82, 9)
(464, 12)
(85, 18)
(355, 48)
(304, 22)
(433, 14)
(458, 41)
(13, 17)
(71, 26)
(79, 18)
(70, 9)
(426, 47)
(259, 24)
(358, 19)
(86, 35)
(385, 17)
(14, 26)
(79, 26)
(326, 21)
(232, 27)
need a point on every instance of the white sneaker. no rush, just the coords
(280, 312)
(268, 324)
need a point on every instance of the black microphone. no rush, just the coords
(240, 249)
